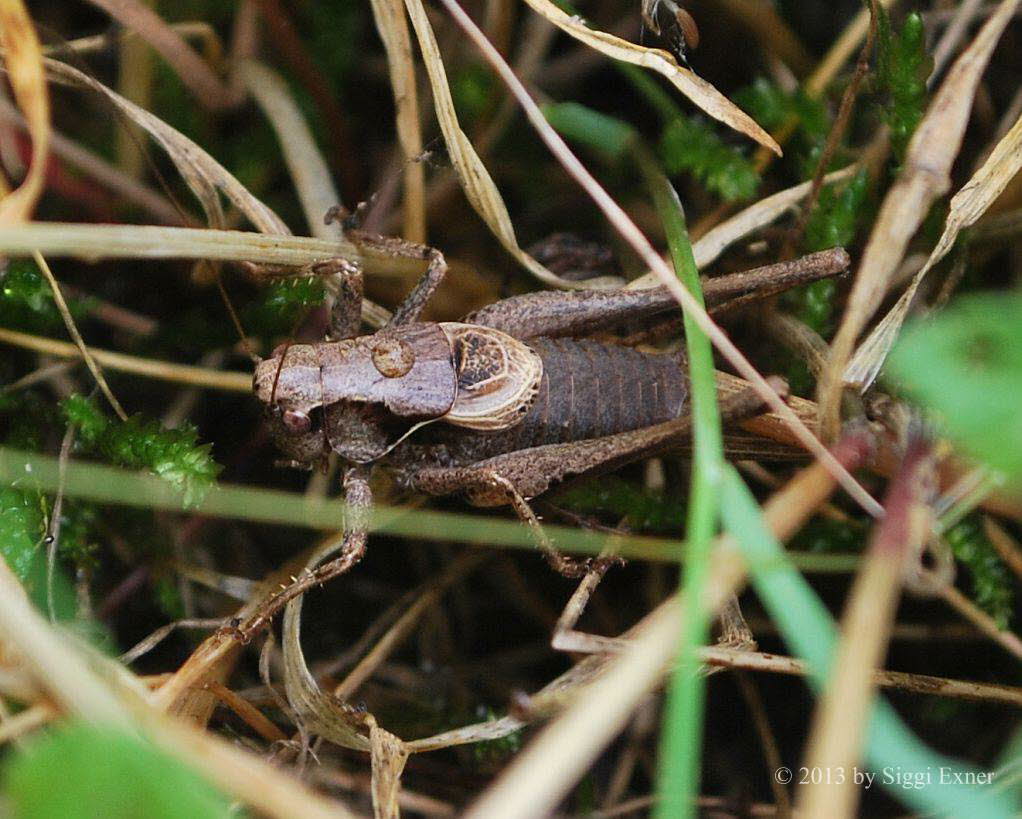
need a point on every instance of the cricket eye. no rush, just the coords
(297, 421)
(392, 357)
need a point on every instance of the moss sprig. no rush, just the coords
(991, 582)
(903, 66)
(142, 443)
(689, 144)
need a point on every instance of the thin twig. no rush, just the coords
(52, 538)
(916, 683)
(767, 741)
(72, 328)
(148, 643)
(1007, 547)
(194, 71)
(837, 131)
(979, 618)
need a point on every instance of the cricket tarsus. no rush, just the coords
(500, 407)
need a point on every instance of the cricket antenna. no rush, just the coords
(236, 320)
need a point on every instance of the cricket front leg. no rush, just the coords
(358, 502)
(436, 268)
(344, 281)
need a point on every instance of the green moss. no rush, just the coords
(991, 582)
(26, 301)
(690, 144)
(645, 510)
(140, 443)
(903, 67)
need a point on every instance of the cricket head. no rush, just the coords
(358, 397)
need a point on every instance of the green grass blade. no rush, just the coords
(809, 630)
(678, 778)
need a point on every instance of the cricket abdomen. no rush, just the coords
(588, 390)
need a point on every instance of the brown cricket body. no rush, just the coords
(499, 407)
(494, 393)
(510, 379)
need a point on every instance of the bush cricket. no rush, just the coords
(501, 406)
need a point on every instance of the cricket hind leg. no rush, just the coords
(513, 477)
(562, 564)
(583, 312)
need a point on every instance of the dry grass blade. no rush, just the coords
(308, 170)
(835, 740)
(925, 177)
(389, 16)
(23, 63)
(321, 714)
(92, 242)
(703, 95)
(205, 176)
(967, 206)
(147, 367)
(476, 182)
(194, 72)
(389, 755)
(72, 329)
(631, 233)
(708, 248)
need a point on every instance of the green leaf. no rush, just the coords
(965, 365)
(82, 771)
(598, 131)
(21, 530)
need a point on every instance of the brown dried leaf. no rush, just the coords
(703, 95)
(967, 206)
(925, 177)
(23, 58)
